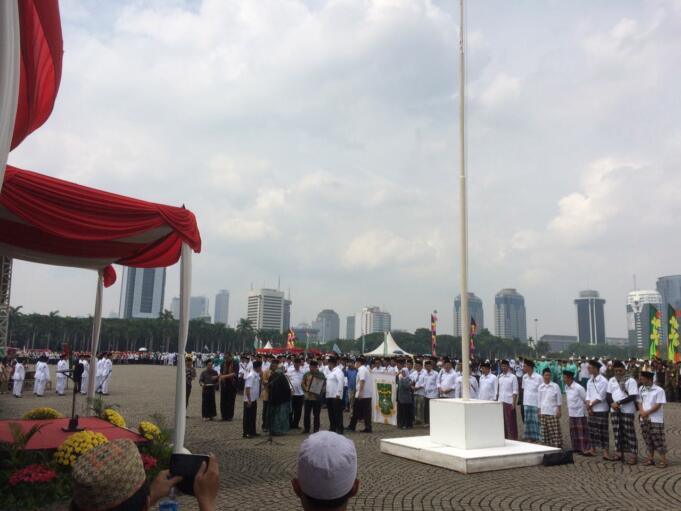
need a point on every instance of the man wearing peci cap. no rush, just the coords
(327, 472)
(111, 477)
(597, 410)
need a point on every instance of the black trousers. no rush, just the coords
(361, 410)
(405, 415)
(426, 410)
(227, 399)
(187, 394)
(335, 409)
(296, 410)
(315, 408)
(265, 409)
(250, 412)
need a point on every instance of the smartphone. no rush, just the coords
(186, 466)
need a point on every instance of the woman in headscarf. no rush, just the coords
(279, 408)
(208, 381)
(227, 388)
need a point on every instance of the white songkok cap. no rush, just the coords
(327, 466)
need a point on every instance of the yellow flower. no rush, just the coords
(42, 413)
(149, 430)
(76, 445)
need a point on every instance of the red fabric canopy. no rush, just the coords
(42, 48)
(48, 220)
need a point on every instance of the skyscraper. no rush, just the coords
(638, 316)
(474, 308)
(669, 288)
(590, 317)
(328, 324)
(266, 309)
(221, 307)
(175, 307)
(372, 320)
(198, 307)
(142, 292)
(350, 327)
(287, 314)
(510, 319)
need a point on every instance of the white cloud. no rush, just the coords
(502, 89)
(375, 249)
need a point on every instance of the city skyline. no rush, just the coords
(566, 135)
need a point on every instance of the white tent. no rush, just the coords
(268, 346)
(388, 348)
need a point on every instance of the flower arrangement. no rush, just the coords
(32, 474)
(77, 444)
(42, 413)
(149, 462)
(149, 430)
(115, 418)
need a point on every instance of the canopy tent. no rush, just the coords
(388, 348)
(268, 346)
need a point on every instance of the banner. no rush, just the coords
(673, 337)
(655, 326)
(291, 339)
(433, 332)
(474, 330)
(384, 399)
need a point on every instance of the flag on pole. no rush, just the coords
(655, 324)
(433, 332)
(474, 330)
(336, 349)
(291, 340)
(673, 336)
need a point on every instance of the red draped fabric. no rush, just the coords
(40, 65)
(49, 220)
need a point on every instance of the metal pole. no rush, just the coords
(180, 378)
(465, 319)
(94, 345)
(10, 52)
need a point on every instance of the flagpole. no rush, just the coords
(465, 327)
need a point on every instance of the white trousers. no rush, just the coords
(83, 384)
(18, 386)
(105, 384)
(61, 384)
(39, 387)
(98, 383)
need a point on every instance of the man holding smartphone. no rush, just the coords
(251, 395)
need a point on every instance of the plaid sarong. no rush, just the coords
(550, 430)
(628, 434)
(532, 431)
(598, 430)
(653, 435)
(579, 434)
(510, 422)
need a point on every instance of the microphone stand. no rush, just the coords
(73, 422)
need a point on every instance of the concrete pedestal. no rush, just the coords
(466, 436)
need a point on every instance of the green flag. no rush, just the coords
(673, 334)
(655, 324)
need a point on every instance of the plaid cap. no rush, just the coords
(107, 476)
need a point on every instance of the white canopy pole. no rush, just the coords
(10, 52)
(465, 318)
(180, 380)
(94, 344)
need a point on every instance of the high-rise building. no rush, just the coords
(510, 319)
(474, 309)
(350, 327)
(307, 334)
(638, 316)
(328, 324)
(142, 292)
(266, 310)
(590, 317)
(198, 307)
(669, 288)
(221, 307)
(373, 320)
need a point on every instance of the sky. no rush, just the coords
(317, 141)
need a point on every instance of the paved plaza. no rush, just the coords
(257, 477)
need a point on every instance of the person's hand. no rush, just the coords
(206, 484)
(160, 487)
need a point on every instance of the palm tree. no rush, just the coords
(244, 333)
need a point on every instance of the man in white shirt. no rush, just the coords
(597, 410)
(489, 384)
(584, 373)
(651, 414)
(334, 396)
(576, 404)
(623, 393)
(550, 401)
(42, 376)
(361, 408)
(85, 378)
(99, 368)
(531, 382)
(448, 381)
(428, 384)
(62, 365)
(107, 370)
(295, 376)
(508, 395)
(18, 377)
(251, 395)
